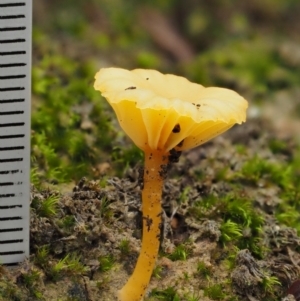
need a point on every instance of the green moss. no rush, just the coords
(69, 265)
(241, 149)
(192, 297)
(230, 231)
(124, 247)
(215, 292)
(240, 222)
(147, 60)
(181, 252)
(75, 265)
(67, 223)
(35, 177)
(31, 278)
(269, 283)
(41, 256)
(184, 195)
(221, 174)
(126, 157)
(278, 146)
(157, 271)
(259, 169)
(9, 291)
(289, 216)
(168, 294)
(203, 270)
(103, 283)
(204, 207)
(106, 263)
(105, 209)
(230, 260)
(241, 210)
(69, 121)
(288, 211)
(251, 64)
(56, 270)
(47, 207)
(241, 218)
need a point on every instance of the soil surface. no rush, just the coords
(102, 217)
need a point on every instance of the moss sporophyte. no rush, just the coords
(163, 115)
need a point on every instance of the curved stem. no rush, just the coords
(155, 167)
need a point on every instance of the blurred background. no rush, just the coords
(252, 47)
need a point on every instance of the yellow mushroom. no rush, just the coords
(163, 115)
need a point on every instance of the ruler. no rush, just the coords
(15, 104)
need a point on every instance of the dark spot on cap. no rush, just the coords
(176, 128)
(180, 143)
(130, 88)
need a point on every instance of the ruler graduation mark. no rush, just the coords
(15, 94)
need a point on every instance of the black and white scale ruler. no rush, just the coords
(15, 104)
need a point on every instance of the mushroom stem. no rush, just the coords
(155, 166)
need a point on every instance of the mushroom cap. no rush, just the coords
(162, 112)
